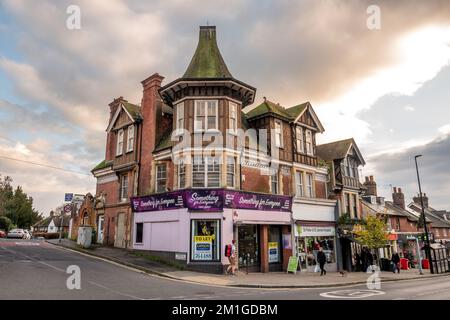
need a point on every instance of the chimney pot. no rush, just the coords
(371, 178)
(367, 179)
(399, 190)
(395, 189)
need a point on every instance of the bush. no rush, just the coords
(5, 224)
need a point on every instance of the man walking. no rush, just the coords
(321, 259)
(230, 252)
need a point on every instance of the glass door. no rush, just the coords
(248, 245)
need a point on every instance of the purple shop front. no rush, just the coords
(192, 226)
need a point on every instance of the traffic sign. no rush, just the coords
(68, 197)
(67, 208)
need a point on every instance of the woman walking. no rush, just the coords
(322, 259)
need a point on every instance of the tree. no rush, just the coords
(16, 205)
(5, 223)
(373, 233)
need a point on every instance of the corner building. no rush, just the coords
(196, 184)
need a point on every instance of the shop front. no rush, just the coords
(314, 228)
(192, 227)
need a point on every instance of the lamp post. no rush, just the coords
(427, 239)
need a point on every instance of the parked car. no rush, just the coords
(2, 234)
(17, 233)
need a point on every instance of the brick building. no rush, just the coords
(201, 169)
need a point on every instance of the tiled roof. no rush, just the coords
(165, 141)
(133, 109)
(334, 150)
(207, 61)
(295, 111)
(268, 107)
(102, 165)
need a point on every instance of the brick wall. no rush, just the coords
(254, 181)
(321, 189)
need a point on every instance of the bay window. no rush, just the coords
(231, 171)
(309, 185)
(161, 177)
(119, 145)
(205, 172)
(299, 139)
(299, 184)
(309, 143)
(233, 117)
(181, 174)
(130, 138)
(180, 117)
(206, 115)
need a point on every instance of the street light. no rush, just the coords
(427, 239)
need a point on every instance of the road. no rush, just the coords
(32, 269)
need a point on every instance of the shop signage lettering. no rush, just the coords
(205, 200)
(158, 202)
(307, 231)
(254, 201)
(203, 247)
(211, 200)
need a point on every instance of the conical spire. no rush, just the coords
(207, 61)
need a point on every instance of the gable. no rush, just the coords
(308, 117)
(125, 114)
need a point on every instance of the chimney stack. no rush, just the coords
(398, 198)
(416, 200)
(371, 186)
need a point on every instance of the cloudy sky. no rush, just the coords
(387, 88)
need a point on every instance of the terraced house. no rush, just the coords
(201, 169)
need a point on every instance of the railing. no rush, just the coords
(350, 182)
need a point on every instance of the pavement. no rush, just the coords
(31, 269)
(250, 280)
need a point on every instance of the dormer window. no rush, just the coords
(309, 143)
(206, 115)
(299, 139)
(119, 146)
(278, 134)
(130, 138)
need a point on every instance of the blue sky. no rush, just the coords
(387, 88)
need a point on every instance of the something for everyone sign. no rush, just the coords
(211, 200)
(203, 248)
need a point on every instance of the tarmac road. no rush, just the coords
(31, 269)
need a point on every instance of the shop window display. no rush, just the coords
(205, 240)
(308, 247)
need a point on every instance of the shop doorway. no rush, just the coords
(275, 252)
(248, 248)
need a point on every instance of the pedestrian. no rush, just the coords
(230, 252)
(322, 259)
(357, 262)
(369, 260)
(395, 262)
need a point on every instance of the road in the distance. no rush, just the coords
(37, 270)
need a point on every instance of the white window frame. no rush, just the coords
(299, 139)
(180, 118)
(299, 184)
(231, 161)
(181, 172)
(309, 142)
(123, 186)
(205, 120)
(158, 178)
(309, 185)
(119, 145)
(277, 181)
(278, 134)
(130, 138)
(206, 161)
(232, 116)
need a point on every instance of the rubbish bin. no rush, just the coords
(404, 264)
(425, 264)
(385, 264)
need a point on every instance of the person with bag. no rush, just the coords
(322, 259)
(395, 262)
(230, 252)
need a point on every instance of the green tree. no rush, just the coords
(16, 205)
(5, 223)
(373, 233)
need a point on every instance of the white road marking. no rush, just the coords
(115, 291)
(351, 294)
